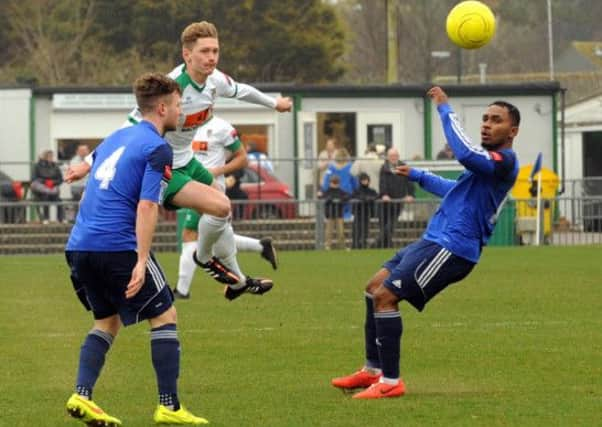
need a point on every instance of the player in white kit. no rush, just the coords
(215, 143)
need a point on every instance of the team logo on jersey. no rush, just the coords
(495, 156)
(199, 145)
(167, 173)
(195, 120)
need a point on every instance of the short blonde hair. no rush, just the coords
(197, 30)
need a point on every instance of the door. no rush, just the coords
(307, 169)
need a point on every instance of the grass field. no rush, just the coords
(518, 343)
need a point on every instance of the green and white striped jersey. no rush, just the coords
(197, 107)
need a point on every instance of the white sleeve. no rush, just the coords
(89, 159)
(228, 87)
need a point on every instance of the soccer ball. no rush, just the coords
(470, 24)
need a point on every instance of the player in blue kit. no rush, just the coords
(108, 252)
(449, 248)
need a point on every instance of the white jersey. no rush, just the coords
(197, 107)
(213, 144)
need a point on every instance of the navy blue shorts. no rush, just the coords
(423, 269)
(101, 278)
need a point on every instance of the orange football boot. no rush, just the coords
(379, 390)
(358, 379)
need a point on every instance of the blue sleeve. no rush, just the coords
(158, 163)
(326, 180)
(473, 158)
(430, 182)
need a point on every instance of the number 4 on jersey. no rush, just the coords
(106, 171)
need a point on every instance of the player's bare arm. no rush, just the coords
(237, 162)
(437, 95)
(146, 221)
(402, 170)
(77, 172)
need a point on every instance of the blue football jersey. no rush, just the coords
(466, 217)
(129, 166)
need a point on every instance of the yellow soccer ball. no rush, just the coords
(470, 24)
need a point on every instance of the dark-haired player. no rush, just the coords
(108, 252)
(449, 248)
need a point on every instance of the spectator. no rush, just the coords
(234, 193)
(348, 183)
(45, 182)
(335, 199)
(259, 158)
(326, 157)
(362, 203)
(77, 187)
(446, 153)
(394, 190)
(369, 164)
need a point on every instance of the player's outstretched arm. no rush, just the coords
(432, 183)
(77, 172)
(472, 157)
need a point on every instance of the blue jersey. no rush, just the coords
(466, 217)
(128, 167)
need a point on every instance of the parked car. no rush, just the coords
(274, 195)
(11, 191)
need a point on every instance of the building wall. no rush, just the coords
(14, 132)
(95, 115)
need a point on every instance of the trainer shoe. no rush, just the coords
(217, 270)
(252, 286)
(164, 415)
(269, 252)
(380, 390)
(178, 295)
(359, 379)
(89, 412)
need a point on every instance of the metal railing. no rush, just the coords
(312, 224)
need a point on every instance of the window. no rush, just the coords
(66, 147)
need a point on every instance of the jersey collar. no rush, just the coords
(186, 80)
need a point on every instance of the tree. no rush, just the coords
(62, 42)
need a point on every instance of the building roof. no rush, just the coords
(345, 91)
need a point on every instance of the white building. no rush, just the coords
(60, 118)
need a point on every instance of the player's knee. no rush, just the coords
(109, 325)
(189, 235)
(384, 299)
(169, 316)
(223, 207)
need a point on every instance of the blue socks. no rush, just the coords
(372, 358)
(91, 361)
(388, 333)
(165, 352)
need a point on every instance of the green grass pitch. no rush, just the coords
(518, 343)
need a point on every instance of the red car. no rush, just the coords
(11, 191)
(274, 195)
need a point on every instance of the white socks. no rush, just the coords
(244, 243)
(210, 229)
(187, 268)
(225, 250)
